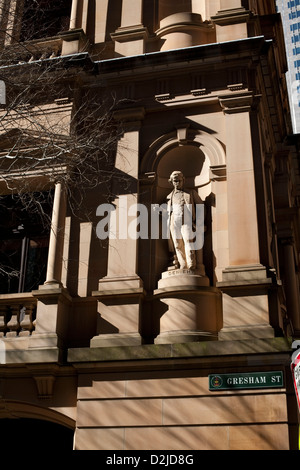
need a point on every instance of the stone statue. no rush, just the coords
(183, 208)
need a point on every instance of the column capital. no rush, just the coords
(239, 102)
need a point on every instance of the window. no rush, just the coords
(295, 27)
(293, 3)
(24, 240)
(44, 18)
(294, 14)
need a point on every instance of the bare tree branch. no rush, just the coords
(48, 128)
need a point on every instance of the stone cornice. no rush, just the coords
(198, 55)
(163, 356)
(80, 60)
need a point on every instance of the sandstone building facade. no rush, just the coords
(109, 339)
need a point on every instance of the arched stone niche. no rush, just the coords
(196, 153)
(182, 298)
(183, 135)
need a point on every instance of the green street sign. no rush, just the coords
(245, 380)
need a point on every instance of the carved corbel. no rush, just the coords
(182, 133)
(238, 102)
(45, 386)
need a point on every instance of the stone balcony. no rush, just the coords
(31, 51)
(67, 42)
(17, 315)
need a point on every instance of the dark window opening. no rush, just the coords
(43, 435)
(44, 18)
(24, 241)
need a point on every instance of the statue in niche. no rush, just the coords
(186, 219)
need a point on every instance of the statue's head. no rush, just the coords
(177, 179)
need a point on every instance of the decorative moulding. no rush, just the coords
(232, 16)
(45, 386)
(130, 33)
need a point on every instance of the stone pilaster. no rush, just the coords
(121, 292)
(231, 21)
(245, 282)
(242, 204)
(130, 37)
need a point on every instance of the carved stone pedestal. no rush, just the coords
(53, 305)
(193, 309)
(119, 305)
(247, 295)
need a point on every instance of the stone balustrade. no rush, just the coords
(35, 50)
(17, 315)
